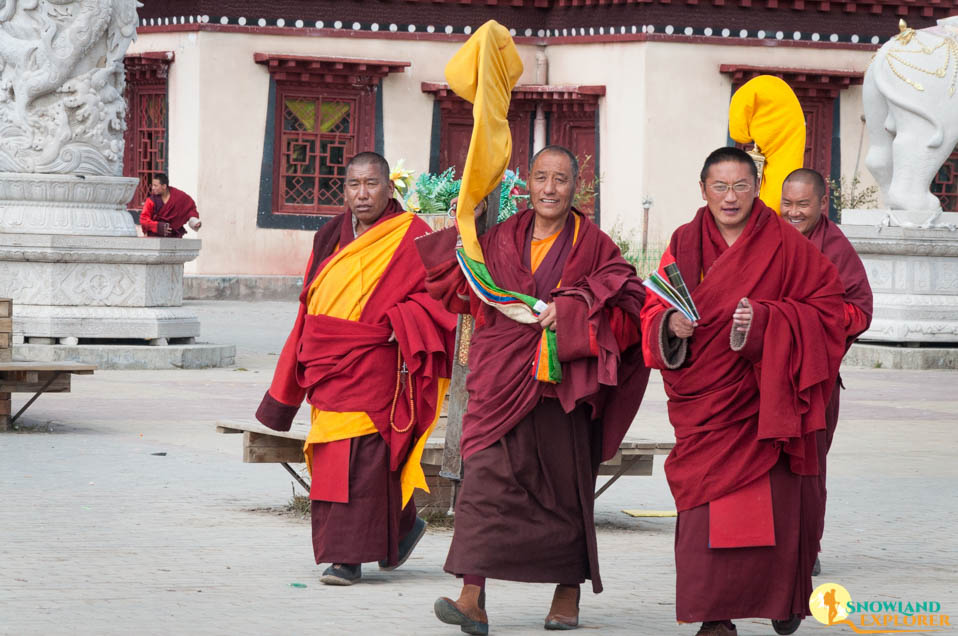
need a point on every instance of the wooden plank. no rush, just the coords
(6, 308)
(643, 467)
(6, 325)
(5, 406)
(260, 448)
(60, 385)
(72, 367)
(22, 377)
(5, 338)
(6, 355)
(298, 431)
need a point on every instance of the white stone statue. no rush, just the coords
(910, 100)
(61, 85)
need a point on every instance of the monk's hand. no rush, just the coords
(478, 211)
(680, 326)
(547, 319)
(392, 337)
(195, 224)
(742, 318)
(163, 229)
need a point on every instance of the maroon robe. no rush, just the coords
(341, 365)
(521, 436)
(176, 212)
(833, 243)
(747, 407)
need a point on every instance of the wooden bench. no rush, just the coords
(264, 445)
(36, 378)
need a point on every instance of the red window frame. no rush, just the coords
(309, 178)
(145, 151)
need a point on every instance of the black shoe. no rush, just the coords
(406, 545)
(817, 568)
(788, 626)
(342, 574)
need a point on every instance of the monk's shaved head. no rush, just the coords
(370, 158)
(559, 150)
(811, 177)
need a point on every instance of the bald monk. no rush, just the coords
(370, 352)
(531, 448)
(747, 388)
(804, 203)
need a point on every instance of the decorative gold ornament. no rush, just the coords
(909, 37)
(759, 160)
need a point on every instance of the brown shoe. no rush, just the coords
(564, 613)
(717, 628)
(469, 611)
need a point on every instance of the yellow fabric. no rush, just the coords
(484, 72)
(354, 271)
(539, 248)
(352, 275)
(765, 110)
(412, 475)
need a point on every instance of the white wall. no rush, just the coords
(218, 101)
(665, 109)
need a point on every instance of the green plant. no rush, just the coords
(645, 260)
(585, 190)
(848, 195)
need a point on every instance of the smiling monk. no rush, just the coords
(804, 201)
(531, 447)
(747, 387)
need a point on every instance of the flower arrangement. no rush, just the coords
(434, 193)
(402, 182)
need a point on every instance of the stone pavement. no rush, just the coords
(123, 512)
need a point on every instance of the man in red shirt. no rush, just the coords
(168, 210)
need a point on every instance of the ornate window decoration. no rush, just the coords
(571, 112)
(324, 114)
(945, 184)
(145, 139)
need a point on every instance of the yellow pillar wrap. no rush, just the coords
(484, 72)
(765, 110)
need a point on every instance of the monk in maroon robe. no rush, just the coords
(531, 449)
(370, 352)
(748, 384)
(804, 201)
(168, 210)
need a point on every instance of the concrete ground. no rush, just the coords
(123, 512)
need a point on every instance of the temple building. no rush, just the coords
(254, 108)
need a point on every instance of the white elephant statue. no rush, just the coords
(910, 100)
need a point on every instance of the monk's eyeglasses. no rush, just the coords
(722, 188)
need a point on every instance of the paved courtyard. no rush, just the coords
(123, 512)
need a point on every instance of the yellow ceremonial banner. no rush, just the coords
(765, 110)
(484, 72)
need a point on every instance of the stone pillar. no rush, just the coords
(69, 253)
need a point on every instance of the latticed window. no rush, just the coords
(318, 137)
(146, 153)
(324, 115)
(945, 185)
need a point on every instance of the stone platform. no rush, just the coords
(115, 356)
(913, 272)
(101, 287)
(872, 355)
